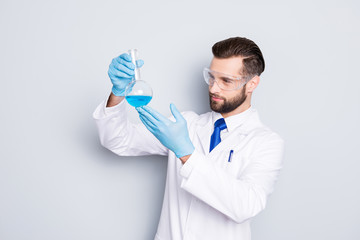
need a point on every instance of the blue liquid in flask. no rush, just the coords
(138, 100)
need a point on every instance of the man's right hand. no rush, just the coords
(121, 73)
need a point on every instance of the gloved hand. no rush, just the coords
(173, 135)
(121, 73)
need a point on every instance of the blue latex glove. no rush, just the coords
(173, 135)
(121, 73)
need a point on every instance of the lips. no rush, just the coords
(216, 98)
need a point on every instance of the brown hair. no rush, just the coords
(253, 60)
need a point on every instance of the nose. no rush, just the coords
(214, 88)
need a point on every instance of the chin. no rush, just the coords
(215, 106)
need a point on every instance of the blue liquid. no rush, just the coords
(138, 100)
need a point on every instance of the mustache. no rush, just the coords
(215, 95)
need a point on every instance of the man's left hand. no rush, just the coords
(173, 135)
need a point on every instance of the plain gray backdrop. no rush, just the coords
(57, 182)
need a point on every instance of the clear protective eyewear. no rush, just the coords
(224, 81)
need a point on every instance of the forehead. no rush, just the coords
(231, 66)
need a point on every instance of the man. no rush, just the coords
(222, 165)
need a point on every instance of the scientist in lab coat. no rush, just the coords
(222, 165)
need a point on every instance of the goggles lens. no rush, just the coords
(224, 81)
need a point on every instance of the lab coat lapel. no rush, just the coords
(238, 134)
(205, 127)
(228, 142)
(203, 133)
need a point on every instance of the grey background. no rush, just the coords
(57, 182)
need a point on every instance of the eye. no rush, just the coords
(227, 80)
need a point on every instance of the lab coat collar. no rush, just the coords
(242, 123)
(234, 121)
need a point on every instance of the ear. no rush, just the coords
(252, 84)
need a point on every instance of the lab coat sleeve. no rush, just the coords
(121, 136)
(239, 198)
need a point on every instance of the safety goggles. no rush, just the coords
(224, 81)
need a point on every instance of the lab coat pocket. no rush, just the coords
(234, 162)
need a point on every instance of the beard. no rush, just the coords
(228, 105)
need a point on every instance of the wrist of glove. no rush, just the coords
(120, 92)
(173, 135)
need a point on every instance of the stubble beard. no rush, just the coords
(227, 105)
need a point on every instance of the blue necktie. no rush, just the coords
(215, 137)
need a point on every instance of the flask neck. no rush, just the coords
(134, 56)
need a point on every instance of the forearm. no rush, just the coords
(121, 136)
(238, 197)
(112, 124)
(114, 100)
(185, 158)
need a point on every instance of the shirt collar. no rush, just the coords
(234, 121)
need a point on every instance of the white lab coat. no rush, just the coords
(208, 197)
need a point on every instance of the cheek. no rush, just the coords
(234, 94)
(231, 95)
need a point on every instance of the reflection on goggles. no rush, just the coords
(224, 81)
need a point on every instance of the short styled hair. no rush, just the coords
(253, 60)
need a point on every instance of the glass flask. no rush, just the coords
(138, 92)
